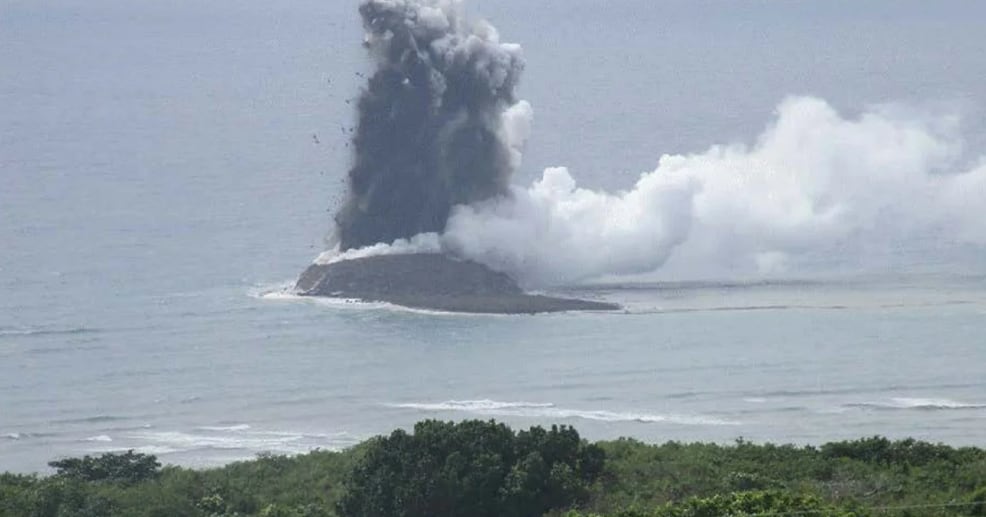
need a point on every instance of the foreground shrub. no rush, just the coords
(129, 468)
(476, 469)
(977, 503)
(905, 453)
(758, 503)
(484, 469)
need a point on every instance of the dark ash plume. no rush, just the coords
(430, 133)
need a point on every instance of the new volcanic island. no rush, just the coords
(438, 126)
(432, 281)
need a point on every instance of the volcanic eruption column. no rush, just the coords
(440, 132)
(431, 131)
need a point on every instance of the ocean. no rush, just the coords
(169, 169)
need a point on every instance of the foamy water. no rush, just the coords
(907, 403)
(549, 412)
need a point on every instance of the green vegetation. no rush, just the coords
(481, 469)
(755, 503)
(125, 469)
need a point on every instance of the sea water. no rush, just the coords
(167, 171)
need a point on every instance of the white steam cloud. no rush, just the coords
(441, 131)
(813, 183)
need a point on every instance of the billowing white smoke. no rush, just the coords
(814, 182)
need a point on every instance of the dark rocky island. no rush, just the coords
(435, 282)
(430, 135)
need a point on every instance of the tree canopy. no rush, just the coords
(477, 469)
(127, 468)
(480, 469)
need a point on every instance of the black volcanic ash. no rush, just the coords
(430, 121)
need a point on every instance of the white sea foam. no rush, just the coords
(273, 291)
(42, 331)
(550, 411)
(905, 403)
(191, 441)
(471, 405)
(932, 403)
(356, 303)
(17, 332)
(237, 427)
(241, 438)
(157, 450)
(26, 436)
(327, 301)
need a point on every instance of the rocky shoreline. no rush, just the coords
(434, 282)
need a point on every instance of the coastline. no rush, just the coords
(435, 282)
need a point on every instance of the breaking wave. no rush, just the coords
(43, 331)
(96, 419)
(27, 436)
(928, 404)
(237, 438)
(236, 427)
(472, 405)
(487, 407)
(290, 295)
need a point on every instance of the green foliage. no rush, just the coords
(977, 502)
(275, 486)
(473, 468)
(483, 469)
(754, 503)
(907, 453)
(128, 468)
(757, 503)
(868, 472)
